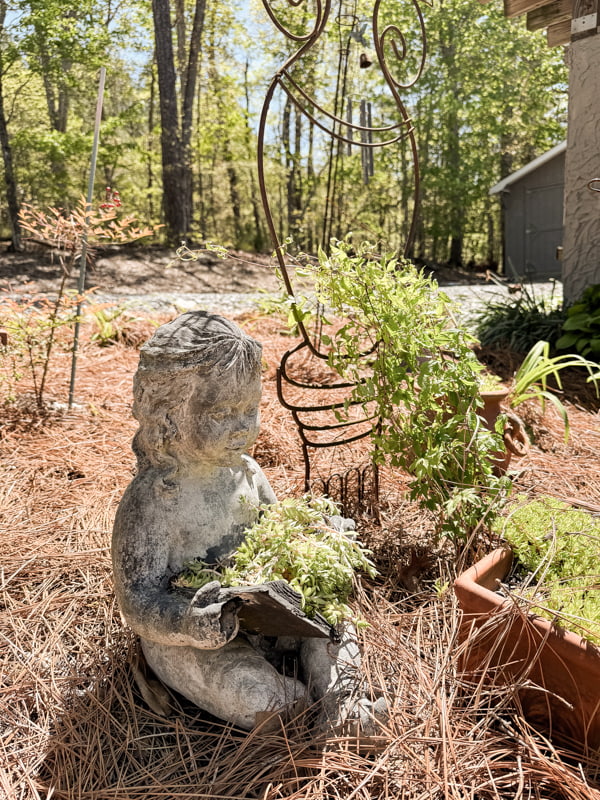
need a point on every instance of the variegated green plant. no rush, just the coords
(293, 541)
(531, 379)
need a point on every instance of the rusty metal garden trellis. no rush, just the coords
(337, 122)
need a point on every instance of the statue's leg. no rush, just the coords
(332, 673)
(331, 667)
(233, 683)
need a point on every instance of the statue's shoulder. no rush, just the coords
(252, 469)
(148, 489)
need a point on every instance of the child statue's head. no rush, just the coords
(196, 393)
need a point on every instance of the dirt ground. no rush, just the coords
(141, 270)
(150, 270)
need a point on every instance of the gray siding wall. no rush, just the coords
(533, 222)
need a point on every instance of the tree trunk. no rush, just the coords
(453, 154)
(180, 38)
(491, 239)
(425, 115)
(292, 165)
(455, 191)
(175, 130)
(201, 183)
(234, 194)
(191, 74)
(176, 199)
(49, 92)
(506, 167)
(259, 237)
(9, 174)
(150, 141)
(286, 123)
(403, 222)
(57, 103)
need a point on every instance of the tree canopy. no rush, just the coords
(186, 81)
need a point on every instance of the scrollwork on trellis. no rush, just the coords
(368, 137)
(321, 16)
(390, 35)
(392, 51)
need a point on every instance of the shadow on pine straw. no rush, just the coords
(77, 728)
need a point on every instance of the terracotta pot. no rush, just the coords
(516, 441)
(562, 670)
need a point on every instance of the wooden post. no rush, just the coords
(581, 243)
(551, 14)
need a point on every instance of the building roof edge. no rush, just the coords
(533, 165)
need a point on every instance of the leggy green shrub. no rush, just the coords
(420, 380)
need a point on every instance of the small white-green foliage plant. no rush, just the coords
(415, 372)
(560, 546)
(292, 541)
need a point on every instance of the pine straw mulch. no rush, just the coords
(73, 723)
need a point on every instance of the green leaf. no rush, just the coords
(566, 341)
(578, 322)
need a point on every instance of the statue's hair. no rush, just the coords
(201, 340)
(192, 344)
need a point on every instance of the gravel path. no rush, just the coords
(216, 302)
(470, 297)
(473, 298)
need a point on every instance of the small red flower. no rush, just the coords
(112, 199)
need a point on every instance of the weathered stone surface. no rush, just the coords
(196, 397)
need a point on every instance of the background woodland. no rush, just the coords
(186, 80)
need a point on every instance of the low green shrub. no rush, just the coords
(581, 329)
(519, 322)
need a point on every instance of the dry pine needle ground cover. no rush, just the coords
(73, 724)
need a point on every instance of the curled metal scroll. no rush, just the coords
(392, 54)
(391, 49)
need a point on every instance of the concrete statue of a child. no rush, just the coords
(196, 398)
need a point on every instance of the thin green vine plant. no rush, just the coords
(421, 381)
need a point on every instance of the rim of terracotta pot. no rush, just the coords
(476, 591)
(495, 393)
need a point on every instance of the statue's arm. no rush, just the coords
(141, 578)
(266, 495)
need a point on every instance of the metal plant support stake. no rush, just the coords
(84, 238)
(345, 135)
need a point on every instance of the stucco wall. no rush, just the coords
(581, 255)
